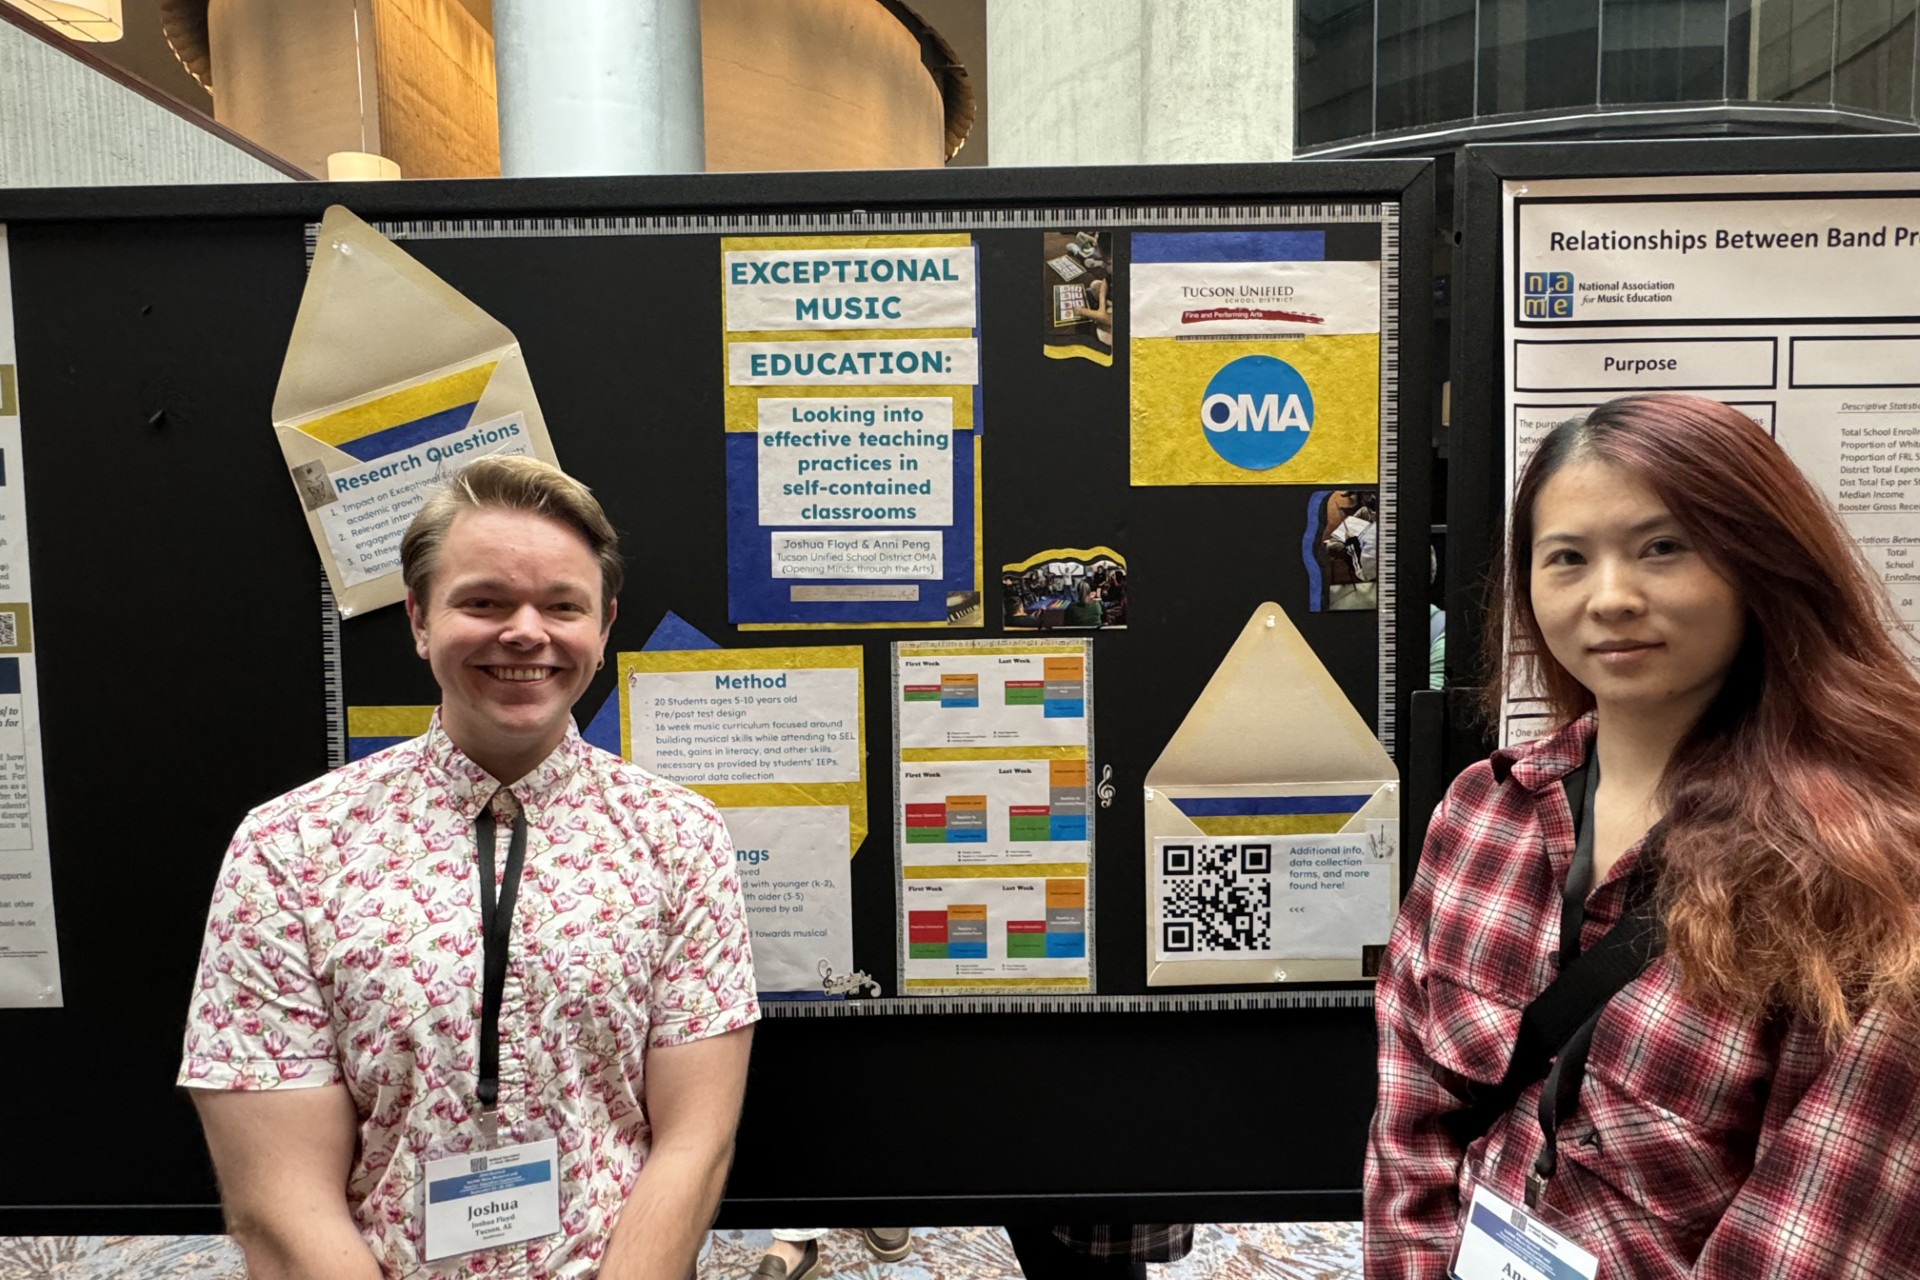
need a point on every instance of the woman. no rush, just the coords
(1706, 634)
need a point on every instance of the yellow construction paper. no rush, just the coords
(1169, 445)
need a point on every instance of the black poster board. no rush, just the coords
(183, 678)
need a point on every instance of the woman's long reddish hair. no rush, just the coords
(1791, 868)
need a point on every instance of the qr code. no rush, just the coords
(1216, 899)
(477, 1164)
(9, 629)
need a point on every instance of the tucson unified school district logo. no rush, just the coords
(1258, 412)
(1546, 295)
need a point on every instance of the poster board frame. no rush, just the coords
(1283, 1170)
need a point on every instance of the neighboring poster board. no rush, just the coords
(29, 953)
(1793, 297)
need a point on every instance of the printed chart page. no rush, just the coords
(993, 754)
(1795, 298)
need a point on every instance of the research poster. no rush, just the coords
(853, 430)
(29, 952)
(1795, 298)
(993, 825)
(1256, 356)
(773, 737)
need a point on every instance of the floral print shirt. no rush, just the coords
(344, 947)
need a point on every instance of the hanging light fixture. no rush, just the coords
(360, 166)
(91, 21)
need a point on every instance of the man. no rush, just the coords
(389, 1087)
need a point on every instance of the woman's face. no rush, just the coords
(1627, 603)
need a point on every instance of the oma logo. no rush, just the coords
(1257, 412)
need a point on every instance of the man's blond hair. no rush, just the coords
(509, 482)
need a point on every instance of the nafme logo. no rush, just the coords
(1257, 412)
(1546, 295)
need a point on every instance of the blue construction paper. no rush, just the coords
(672, 632)
(1228, 246)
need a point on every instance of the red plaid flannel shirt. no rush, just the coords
(1703, 1145)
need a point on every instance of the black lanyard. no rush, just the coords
(1561, 1092)
(1569, 1069)
(496, 940)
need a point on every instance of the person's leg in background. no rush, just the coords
(795, 1251)
(889, 1244)
(793, 1255)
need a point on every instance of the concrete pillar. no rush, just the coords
(1140, 81)
(598, 86)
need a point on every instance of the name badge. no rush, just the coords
(1502, 1241)
(485, 1199)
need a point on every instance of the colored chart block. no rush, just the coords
(1066, 893)
(1066, 826)
(966, 819)
(1065, 688)
(1028, 822)
(1067, 774)
(967, 931)
(927, 935)
(1026, 693)
(920, 693)
(926, 824)
(1066, 919)
(1026, 939)
(927, 927)
(1073, 670)
(959, 689)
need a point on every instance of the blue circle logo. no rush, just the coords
(1257, 412)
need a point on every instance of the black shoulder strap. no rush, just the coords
(1555, 1015)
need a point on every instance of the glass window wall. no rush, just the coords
(1380, 66)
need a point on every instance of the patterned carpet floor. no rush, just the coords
(1236, 1251)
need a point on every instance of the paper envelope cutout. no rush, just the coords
(393, 381)
(1273, 747)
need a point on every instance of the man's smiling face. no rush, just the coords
(513, 628)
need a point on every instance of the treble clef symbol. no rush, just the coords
(1105, 789)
